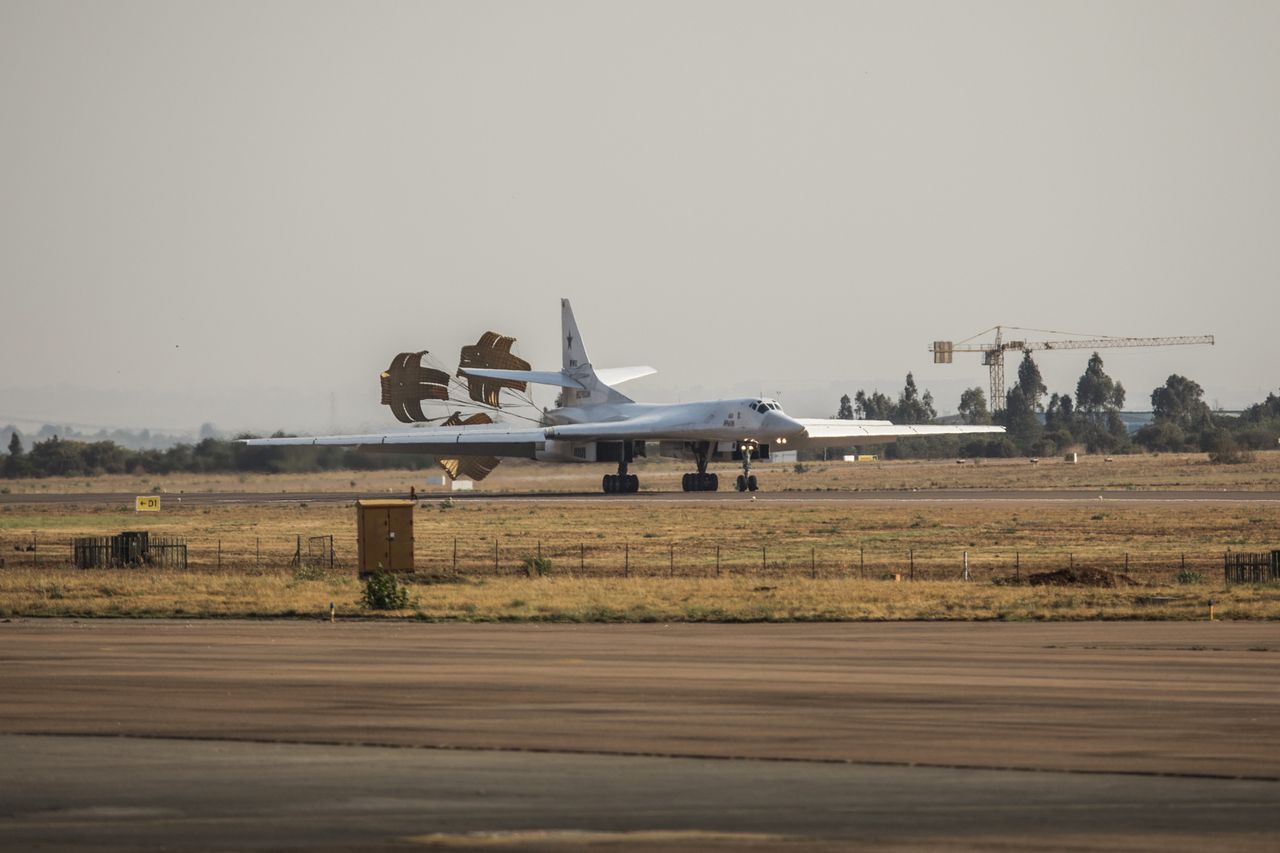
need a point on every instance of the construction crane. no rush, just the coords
(993, 353)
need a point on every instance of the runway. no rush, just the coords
(1016, 496)
(207, 735)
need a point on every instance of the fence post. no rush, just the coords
(219, 555)
(764, 558)
(862, 563)
(1126, 561)
(966, 565)
(671, 565)
(626, 559)
(495, 555)
(455, 555)
(911, 559)
(257, 553)
(1071, 560)
(813, 562)
(717, 561)
(582, 558)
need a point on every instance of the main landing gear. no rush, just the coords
(746, 480)
(621, 483)
(701, 481)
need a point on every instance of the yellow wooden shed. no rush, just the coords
(384, 535)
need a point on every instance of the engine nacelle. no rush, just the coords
(591, 451)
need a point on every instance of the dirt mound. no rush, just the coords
(1079, 577)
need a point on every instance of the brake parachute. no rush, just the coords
(469, 467)
(492, 351)
(406, 383)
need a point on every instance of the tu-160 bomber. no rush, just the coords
(592, 421)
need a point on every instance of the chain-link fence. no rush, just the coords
(645, 557)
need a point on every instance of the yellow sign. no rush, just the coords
(147, 503)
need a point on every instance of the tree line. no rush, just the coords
(59, 457)
(1038, 423)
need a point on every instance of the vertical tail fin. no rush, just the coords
(574, 351)
(577, 364)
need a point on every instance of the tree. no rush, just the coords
(1269, 409)
(912, 408)
(1020, 419)
(1029, 380)
(1060, 415)
(15, 445)
(873, 407)
(1097, 394)
(1180, 402)
(973, 406)
(846, 408)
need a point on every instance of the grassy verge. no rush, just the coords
(1139, 471)
(569, 599)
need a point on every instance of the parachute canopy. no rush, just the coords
(470, 467)
(492, 351)
(406, 383)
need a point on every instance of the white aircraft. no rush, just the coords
(593, 422)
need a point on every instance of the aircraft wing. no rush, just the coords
(837, 432)
(439, 441)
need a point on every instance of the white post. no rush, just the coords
(966, 565)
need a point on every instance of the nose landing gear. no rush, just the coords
(746, 480)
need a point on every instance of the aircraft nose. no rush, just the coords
(777, 425)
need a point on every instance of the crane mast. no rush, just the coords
(993, 353)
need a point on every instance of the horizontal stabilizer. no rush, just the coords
(539, 377)
(617, 375)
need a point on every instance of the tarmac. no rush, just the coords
(1016, 496)
(203, 735)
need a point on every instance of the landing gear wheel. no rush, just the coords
(751, 483)
(700, 482)
(620, 484)
(741, 484)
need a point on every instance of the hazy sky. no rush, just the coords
(229, 211)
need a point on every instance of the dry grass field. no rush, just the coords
(1163, 471)
(61, 592)
(683, 538)
(734, 560)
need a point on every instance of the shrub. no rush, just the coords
(1188, 576)
(536, 564)
(383, 591)
(1224, 451)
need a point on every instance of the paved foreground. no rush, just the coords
(214, 735)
